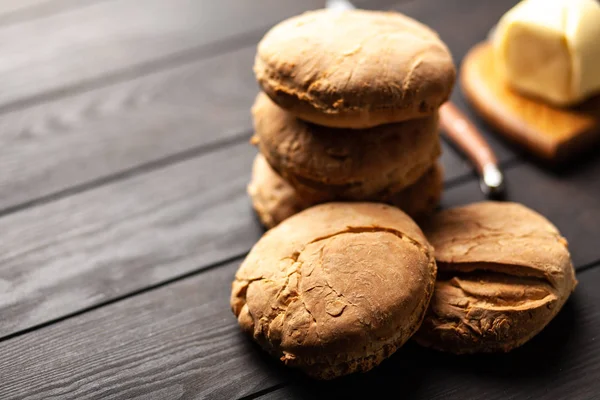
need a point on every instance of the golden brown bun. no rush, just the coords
(336, 288)
(356, 69)
(275, 200)
(354, 165)
(272, 197)
(421, 198)
(504, 273)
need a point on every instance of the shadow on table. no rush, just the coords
(586, 160)
(414, 371)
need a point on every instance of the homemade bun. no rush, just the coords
(275, 200)
(352, 165)
(336, 288)
(504, 273)
(354, 69)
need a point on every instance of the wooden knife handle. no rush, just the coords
(465, 135)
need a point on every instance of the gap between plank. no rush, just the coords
(129, 172)
(124, 296)
(586, 267)
(159, 64)
(263, 392)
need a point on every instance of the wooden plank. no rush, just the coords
(12, 11)
(67, 255)
(560, 363)
(181, 341)
(120, 39)
(569, 199)
(124, 125)
(124, 236)
(84, 43)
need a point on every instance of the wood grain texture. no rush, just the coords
(115, 40)
(15, 11)
(560, 363)
(570, 199)
(553, 133)
(177, 342)
(123, 126)
(84, 43)
(182, 342)
(67, 255)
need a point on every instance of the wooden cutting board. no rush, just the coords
(554, 134)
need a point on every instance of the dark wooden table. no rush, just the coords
(124, 157)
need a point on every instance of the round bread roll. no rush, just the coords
(353, 166)
(275, 200)
(336, 288)
(354, 69)
(504, 273)
(272, 197)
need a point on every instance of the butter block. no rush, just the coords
(550, 49)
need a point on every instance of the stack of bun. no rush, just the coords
(348, 112)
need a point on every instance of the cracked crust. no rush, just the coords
(336, 288)
(504, 273)
(275, 200)
(356, 69)
(353, 166)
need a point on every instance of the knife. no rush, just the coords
(461, 132)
